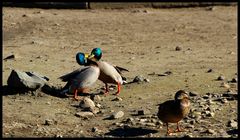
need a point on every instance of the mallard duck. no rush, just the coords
(109, 74)
(83, 78)
(173, 111)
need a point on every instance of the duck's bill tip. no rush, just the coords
(90, 56)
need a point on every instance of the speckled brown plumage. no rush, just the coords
(173, 111)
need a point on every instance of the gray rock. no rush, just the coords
(146, 80)
(98, 105)
(150, 135)
(26, 80)
(210, 70)
(224, 100)
(95, 129)
(117, 99)
(144, 112)
(143, 120)
(48, 122)
(205, 96)
(84, 114)
(192, 122)
(25, 15)
(154, 121)
(138, 79)
(159, 123)
(130, 120)
(188, 136)
(225, 85)
(211, 114)
(234, 80)
(178, 48)
(220, 78)
(223, 133)
(210, 131)
(190, 126)
(193, 93)
(150, 124)
(117, 115)
(232, 123)
(87, 103)
(95, 110)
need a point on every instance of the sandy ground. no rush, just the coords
(142, 40)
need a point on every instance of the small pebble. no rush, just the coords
(210, 70)
(221, 78)
(48, 122)
(210, 131)
(143, 112)
(117, 99)
(224, 100)
(193, 93)
(232, 123)
(146, 80)
(178, 48)
(95, 129)
(138, 79)
(234, 80)
(225, 85)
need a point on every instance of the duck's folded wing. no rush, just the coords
(71, 75)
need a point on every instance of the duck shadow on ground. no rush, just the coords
(130, 132)
(6, 90)
(57, 92)
(53, 91)
(47, 89)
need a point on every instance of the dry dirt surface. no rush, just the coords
(142, 40)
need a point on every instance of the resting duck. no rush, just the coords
(109, 74)
(173, 111)
(83, 78)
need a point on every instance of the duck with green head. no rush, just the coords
(109, 74)
(83, 78)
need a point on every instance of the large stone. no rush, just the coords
(26, 80)
(117, 115)
(87, 104)
(84, 114)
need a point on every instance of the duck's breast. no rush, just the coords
(108, 74)
(169, 112)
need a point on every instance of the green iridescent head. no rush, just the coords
(81, 58)
(96, 53)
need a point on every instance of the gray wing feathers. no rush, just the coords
(69, 76)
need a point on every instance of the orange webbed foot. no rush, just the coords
(77, 98)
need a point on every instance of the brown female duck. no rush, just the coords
(173, 111)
